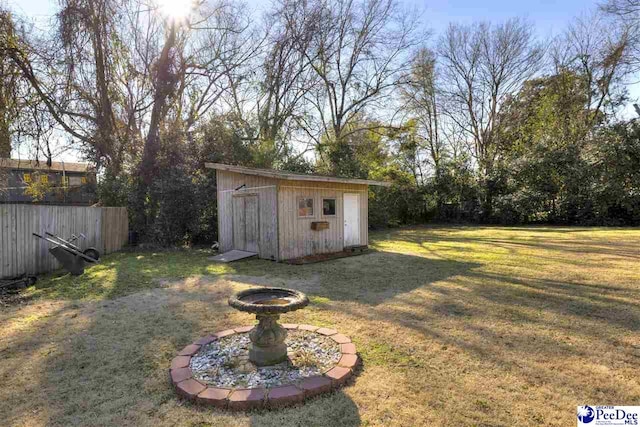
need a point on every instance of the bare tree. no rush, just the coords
(285, 79)
(599, 56)
(627, 13)
(217, 57)
(199, 62)
(69, 74)
(9, 80)
(23, 117)
(89, 39)
(421, 100)
(165, 81)
(358, 49)
(115, 71)
(482, 66)
(629, 8)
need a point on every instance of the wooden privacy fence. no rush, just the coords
(20, 252)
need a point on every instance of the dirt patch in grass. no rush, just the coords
(455, 326)
(312, 259)
(13, 297)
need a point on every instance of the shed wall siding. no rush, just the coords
(266, 189)
(296, 238)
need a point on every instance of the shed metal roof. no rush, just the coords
(291, 176)
(42, 165)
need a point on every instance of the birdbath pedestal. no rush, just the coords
(267, 337)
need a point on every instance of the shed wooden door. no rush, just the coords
(246, 234)
(351, 208)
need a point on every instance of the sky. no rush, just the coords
(549, 17)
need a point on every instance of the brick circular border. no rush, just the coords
(255, 398)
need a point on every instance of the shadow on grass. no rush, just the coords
(585, 245)
(106, 363)
(370, 279)
(442, 322)
(503, 320)
(123, 273)
(611, 306)
(335, 409)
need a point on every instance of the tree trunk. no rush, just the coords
(148, 168)
(5, 139)
(165, 82)
(6, 71)
(5, 135)
(105, 141)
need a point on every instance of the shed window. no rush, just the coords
(328, 207)
(44, 179)
(26, 178)
(305, 207)
(75, 181)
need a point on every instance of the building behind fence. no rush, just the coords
(20, 252)
(58, 183)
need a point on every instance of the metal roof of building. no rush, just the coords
(42, 165)
(270, 173)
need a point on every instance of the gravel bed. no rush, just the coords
(225, 362)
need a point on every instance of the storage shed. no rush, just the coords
(283, 215)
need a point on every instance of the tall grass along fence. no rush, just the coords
(20, 252)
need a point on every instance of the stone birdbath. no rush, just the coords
(268, 336)
(267, 365)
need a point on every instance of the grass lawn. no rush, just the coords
(455, 325)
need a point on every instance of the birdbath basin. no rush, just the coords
(267, 337)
